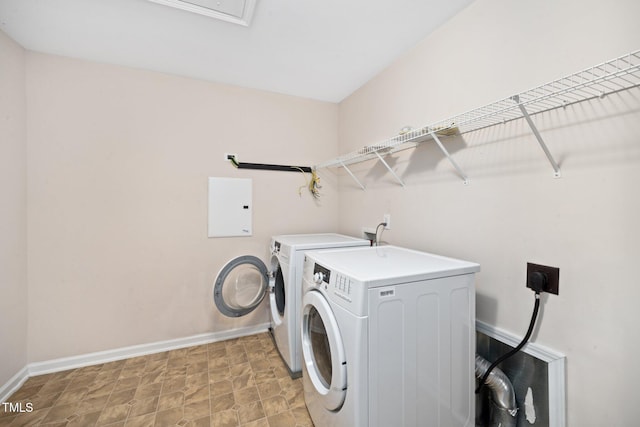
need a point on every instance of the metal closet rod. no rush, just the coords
(264, 166)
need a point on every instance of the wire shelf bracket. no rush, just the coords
(353, 176)
(389, 169)
(536, 133)
(616, 75)
(434, 135)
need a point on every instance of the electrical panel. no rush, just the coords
(230, 207)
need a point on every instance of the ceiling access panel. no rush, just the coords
(235, 11)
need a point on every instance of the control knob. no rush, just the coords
(318, 277)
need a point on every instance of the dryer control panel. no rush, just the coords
(347, 292)
(321, 274)
(342, 286)
(338, 287)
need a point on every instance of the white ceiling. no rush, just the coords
(322, 50)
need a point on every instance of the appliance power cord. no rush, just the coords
(382, 224)
(505, 356)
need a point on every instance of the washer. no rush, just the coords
(388, 338)
(243, 282)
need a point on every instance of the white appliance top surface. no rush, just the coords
(318, 241)
(378, 264)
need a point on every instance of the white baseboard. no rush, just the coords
(13, 384)
(73, 362)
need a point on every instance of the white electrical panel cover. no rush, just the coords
(230, 207)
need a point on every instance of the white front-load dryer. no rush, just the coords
(388, 338)
(243, 283)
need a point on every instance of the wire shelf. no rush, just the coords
(616, 75)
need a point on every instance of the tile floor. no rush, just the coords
(238, 382)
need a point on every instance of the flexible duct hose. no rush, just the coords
(502, 395)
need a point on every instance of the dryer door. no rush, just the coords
(323, 351)
(241, 286)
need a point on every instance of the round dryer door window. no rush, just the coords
(241, 286)
(323, 351)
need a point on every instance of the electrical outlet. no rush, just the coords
(229, 156)
(387, 219)
(550, 277)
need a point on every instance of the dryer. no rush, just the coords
(244, 282)
(388, 338)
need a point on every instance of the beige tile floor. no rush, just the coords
(238, 382)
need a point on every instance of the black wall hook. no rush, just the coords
(263, 166)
